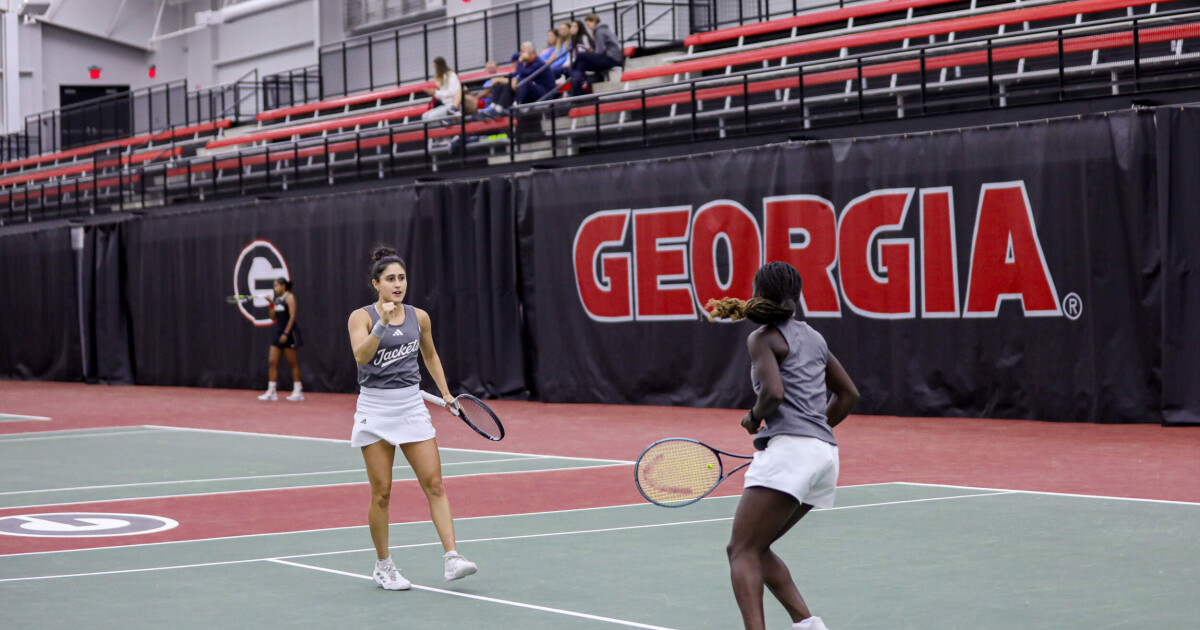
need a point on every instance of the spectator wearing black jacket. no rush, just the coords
(605, 54)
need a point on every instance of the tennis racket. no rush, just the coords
(472, 411)
(236, 298)
(678, 471)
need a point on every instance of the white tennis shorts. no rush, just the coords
(397, 416)
(804, 467)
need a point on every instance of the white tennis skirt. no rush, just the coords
(397, 416)
(804, 467)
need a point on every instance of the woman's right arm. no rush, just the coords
(845, 394)
(364, 343)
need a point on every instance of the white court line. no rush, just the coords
(79, 431)
(77, 436)
(493, 600)
(1051, 494)
(319, 485)
(347, 442)
(20, 416)
(275, 476)
(318, 530)
(502, 538)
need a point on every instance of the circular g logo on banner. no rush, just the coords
(83, 525)
(257, 268)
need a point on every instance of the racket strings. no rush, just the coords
(677, 472)
(480, 417)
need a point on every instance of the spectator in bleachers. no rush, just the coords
(448, 96)
(556, 52)
(606, 53)
(529, 81)
(497, 94)
(581, 42)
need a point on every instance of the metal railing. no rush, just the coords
(467, 42)
(405, 54)
(712, 15)
(1127, 56)
(639, 23)
(294, 87)
(17, 145)
(138, 112)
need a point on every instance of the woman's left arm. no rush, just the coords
(429, 353)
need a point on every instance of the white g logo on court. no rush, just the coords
(83, 525)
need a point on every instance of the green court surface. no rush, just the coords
(144, 462)
(889, 556)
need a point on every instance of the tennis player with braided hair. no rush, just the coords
(803, 392)
(390, 412)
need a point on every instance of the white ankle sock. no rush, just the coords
(383, 562)
(805, 624)
(296, 388)
(270, 386)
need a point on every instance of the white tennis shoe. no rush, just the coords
(458, 567)
(812, 623)
(388, 576)
(270, 395)
(295, 397)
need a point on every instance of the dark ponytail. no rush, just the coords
(287, 284)
(381, 258)
(778, 287)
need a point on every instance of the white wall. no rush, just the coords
(280, 39)
(67, 55)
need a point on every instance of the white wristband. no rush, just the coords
(379, 328)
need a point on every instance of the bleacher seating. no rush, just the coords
(344, 103)
(1094, 43)
(887, 59)
(876, 38)
(169, 135)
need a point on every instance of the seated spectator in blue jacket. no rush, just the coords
(528, 66)
(556, 52)
(605, 54)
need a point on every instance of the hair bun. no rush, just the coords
(381, 253)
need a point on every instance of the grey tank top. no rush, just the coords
(802, 411)
(395, 362)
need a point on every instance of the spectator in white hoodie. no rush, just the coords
(448, 95)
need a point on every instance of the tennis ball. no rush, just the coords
(710, 466)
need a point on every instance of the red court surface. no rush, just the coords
(1143, 461)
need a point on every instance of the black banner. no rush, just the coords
(1179, 190)
(458, 241)
(1034, 271)
(107, 342)
(1009, 272)
(39, 306)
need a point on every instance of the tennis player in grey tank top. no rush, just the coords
(386, 337)
(803, 392)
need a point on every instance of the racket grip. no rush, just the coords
(437, 400)
(440, 402)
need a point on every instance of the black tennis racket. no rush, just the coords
(472, 411)
(679, 471)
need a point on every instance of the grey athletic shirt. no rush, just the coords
(395, 362)
(802, 411)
